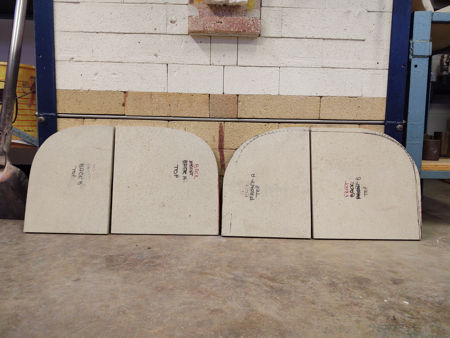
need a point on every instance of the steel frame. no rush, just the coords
(398, 70)
(45, 68)
(420, 52)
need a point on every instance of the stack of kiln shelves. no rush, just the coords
(293, 183)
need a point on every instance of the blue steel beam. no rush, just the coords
(45, 68)
(428, 174)
(418, 85)
(398, 69)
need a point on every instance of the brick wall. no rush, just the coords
(315, 59)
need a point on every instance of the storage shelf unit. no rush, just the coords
(420, 53)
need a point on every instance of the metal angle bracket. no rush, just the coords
(47, 125)
(441, 17)
(397, 125)
(43, 115)
(420, 49)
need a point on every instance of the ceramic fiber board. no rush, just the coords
(69, 189)
(266, 191)
(165, 182)
(364, 186)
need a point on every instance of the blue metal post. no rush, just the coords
(420, 52)
(398, 69)
(45, 68)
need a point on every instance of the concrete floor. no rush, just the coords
(115, 285)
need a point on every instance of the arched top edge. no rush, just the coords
(70, 131)
(59, 136)
(169, 130)
(183, 133)
(244, 145)
(272, 132)
(367, 132)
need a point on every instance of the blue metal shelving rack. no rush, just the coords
(420, 53)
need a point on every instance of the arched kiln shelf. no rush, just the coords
(364, 186)
(70, 182)
(266, 191)
(165, 182)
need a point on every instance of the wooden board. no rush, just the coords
(442, 165)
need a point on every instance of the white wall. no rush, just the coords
(307, 47)
(28, 51)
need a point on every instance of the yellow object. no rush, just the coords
(26, 97)
(251, 4)
(442, 165)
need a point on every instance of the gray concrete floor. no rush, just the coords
(115, 285)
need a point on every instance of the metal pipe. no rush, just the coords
(12, 71)
(213, 119)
